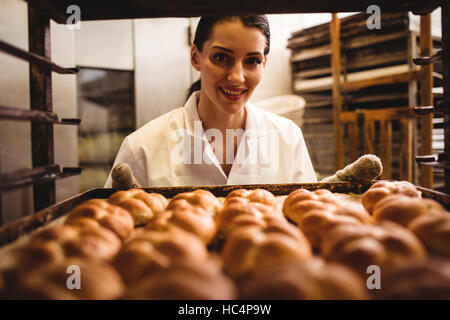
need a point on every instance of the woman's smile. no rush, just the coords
(233, 94)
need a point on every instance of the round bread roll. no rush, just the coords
(198, 198)
(424, 280)
(403, 209)
(382, 189)
(360, 246)
(303, 280)
(140, 204)
(109, 216)
(97, 281)
(434, 231)
(315, 224)
(300, 201)
(245, 196)
(151, 250)
(226, 220)
(85, 239)
(247, 220)
(184, 282)
(190, 218)
(251, 248)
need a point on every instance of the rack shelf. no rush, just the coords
(35, 176)
(35, 116)
(35, 59)
(105, 9)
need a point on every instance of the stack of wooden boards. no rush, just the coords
(248, 245)
(366, 54)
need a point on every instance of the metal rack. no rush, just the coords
(41, 11)
(44, 172)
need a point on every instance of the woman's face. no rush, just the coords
(231, 65)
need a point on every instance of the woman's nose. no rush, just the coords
(236, 73)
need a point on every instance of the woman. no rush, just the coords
(218, 137)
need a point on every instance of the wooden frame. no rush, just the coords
(385, 116)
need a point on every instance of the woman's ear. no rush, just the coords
(265, 61)
(195, 57)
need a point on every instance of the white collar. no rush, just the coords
(253, 127)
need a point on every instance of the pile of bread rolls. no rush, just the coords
(248, 245)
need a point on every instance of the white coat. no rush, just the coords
(173, 150)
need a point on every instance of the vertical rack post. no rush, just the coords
(41, 99)
(426, 99)
(337, 94)
(445, 16)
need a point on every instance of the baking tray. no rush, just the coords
(12, 231)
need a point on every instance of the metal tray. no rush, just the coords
(15, 229)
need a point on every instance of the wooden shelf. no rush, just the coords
(35, 59)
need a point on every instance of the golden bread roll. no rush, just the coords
(192, 219)
(360, 246)
(97, 281)
(151, 250)
(237, 210)
(304, 280)
(434, 232)
(245, 196)
(315, 224)
(85, 239)
(140, 204)
(403, 209)
(424, 280)
(245, 220)
(198, 198)
(353, 209)
(251, 248)
(300, 201)
(382, 189)
(109, 216)
(185, 282)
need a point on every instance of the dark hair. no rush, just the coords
(206, 24)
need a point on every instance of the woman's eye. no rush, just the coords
(220, 57)
(254, 61)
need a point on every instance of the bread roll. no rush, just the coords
(232, 215)
(304, 280)
(198, 198)
(301, 201)
(360, 246)
(251, 248)
(382, 189)
(434, 231)
(109, 216)
(85, 239)
(245, 196)
(97, 281)
(428, 279)
(151, 250)
(190, 218)
(315, 224)
(185, 282)
(403, 209)
(140, 204)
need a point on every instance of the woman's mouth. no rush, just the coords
(233, 94)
